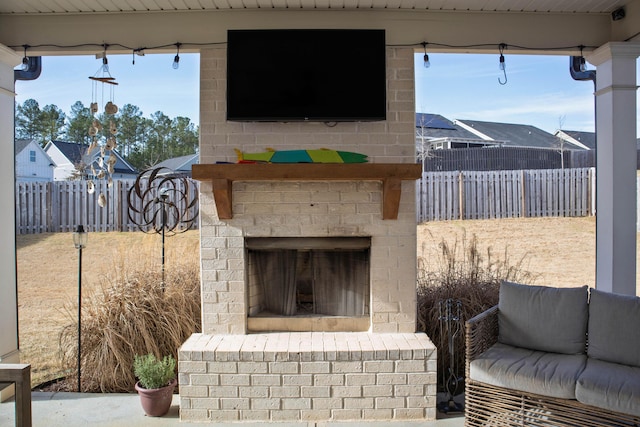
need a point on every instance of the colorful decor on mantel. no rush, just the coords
(322, 155)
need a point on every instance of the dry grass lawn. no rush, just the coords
(48, 283)
(561, 251)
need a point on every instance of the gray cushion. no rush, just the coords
(614, 328)
(610, 386)
(548, 374)
(543, 318)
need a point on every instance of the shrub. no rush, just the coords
(131, 314)
(460, 273)
(152, 372)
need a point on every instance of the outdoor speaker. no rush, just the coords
(618, 14)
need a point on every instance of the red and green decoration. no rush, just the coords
(322, 155)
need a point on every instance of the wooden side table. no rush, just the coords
(20, 375)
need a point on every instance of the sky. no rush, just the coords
(539, 89)
(151, 84)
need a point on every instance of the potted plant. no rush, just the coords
(156, 382)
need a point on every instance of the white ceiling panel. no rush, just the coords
(236, 4)
(437, 4)
(101, 6)
(221, 4)
(129, 5)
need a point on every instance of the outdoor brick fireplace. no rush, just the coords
(339, 240)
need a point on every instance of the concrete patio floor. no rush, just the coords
(93, 409)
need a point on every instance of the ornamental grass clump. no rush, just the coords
(461, 272)
(131, 314)
(152, 372)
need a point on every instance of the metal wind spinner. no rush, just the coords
(162, 201)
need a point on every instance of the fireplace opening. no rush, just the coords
(308, 277)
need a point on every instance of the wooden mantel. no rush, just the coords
(222, 176)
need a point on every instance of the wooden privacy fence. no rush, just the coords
(506, 194)
(60, 206)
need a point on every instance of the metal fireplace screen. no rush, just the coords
(308, 276)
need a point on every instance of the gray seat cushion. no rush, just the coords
(614, 328)
(548, 374)
(543, 318)
(610, 386)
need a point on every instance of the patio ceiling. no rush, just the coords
(558, 27)
(119, 6)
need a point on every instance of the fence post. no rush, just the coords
(523, 194)
(120, 204)
(50, 205)
(461, 195)
(419, 199)
(592, 191)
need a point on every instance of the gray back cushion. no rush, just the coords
(614, 328)
(543, 318)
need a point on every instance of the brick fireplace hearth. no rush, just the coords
(313, 367)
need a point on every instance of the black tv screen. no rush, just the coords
(306, 75)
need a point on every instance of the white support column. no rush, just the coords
(9, 300)
(616, 166)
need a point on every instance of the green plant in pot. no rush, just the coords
(156, 382)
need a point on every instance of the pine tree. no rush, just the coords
(27, 121)
(79, 120)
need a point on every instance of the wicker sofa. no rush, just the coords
(529, 364)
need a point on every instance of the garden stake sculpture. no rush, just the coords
(80, 238)
(161, 202)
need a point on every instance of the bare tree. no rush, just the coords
(424, 149)
(560, 142)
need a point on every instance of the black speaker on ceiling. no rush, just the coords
(618, 14)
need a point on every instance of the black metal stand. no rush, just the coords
(450, 326)
(79, 316)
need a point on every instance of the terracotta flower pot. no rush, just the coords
(156, 401)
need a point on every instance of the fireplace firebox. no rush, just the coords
(292, 278)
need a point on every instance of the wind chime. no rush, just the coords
(103, 166)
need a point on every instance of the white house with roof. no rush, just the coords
(33, 164)
(180, 164)
(69, 157)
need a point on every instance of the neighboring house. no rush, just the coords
(578, 139)
(32, 162)
(70, 158)
(435, 132)
(587, 141)
(522, 146)
(510, 134)
(180, 164)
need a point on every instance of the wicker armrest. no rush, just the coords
(481, 333)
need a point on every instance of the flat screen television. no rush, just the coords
(306, 75)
